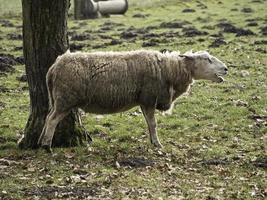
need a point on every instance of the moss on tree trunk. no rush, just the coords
(44, 39)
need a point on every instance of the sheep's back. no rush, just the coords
(108, 82)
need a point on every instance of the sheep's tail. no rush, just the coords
(49, 84)
(49, 81)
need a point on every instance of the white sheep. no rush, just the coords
(111, 82)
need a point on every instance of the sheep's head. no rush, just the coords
(206, 66)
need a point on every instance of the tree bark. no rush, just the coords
(44, 39)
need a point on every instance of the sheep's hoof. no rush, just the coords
(47, 148)
(157, 145)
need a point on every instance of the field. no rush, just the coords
(214, 142)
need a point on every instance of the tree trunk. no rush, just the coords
(44, 39)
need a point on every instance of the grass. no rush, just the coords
(211, 141)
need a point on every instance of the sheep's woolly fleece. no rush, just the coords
(116, 81)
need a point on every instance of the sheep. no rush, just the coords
(111, 82)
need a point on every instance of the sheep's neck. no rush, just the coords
(182, 78)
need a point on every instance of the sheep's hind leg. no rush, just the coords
(44, 128)
(49, 129)
(149, 114)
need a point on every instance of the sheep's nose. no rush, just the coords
(226, 69)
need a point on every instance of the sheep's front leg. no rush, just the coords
(149, 114)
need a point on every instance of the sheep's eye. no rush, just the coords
(209, 60)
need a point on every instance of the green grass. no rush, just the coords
(212, 122)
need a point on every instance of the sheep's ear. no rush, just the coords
(186, 56)
(165, 51)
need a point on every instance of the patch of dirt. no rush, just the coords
(201, 5)
(201, 40)
(98, 46)
(148, 28)
(81, 37)
(264, 30)
(217, 35)
(227, 27)
(261, 162)
(174, 24)
(247, 10)
(215, 161)
(108, 26)
(244, 32)
(170, 34)
(18, 48)
(252, 24)
(76, 47)
(62, 192)
(6, 63)
(114, 42)
(218, 42)
(251, 20)
(6, 23)
(188, 10)
(20, 60)
(103, 29)
(105, 37)
(14, 36)
(133, 32)
(150, 43)
(11, 60)
(8, 59)
(260, 42)
(6, 68)
(230, 28)
(150, 35)
(128, 34)
(136, 162)
(140, 15)
(192, 31)
(155, 42)
(256, 1)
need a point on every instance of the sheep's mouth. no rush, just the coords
(219, 78)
